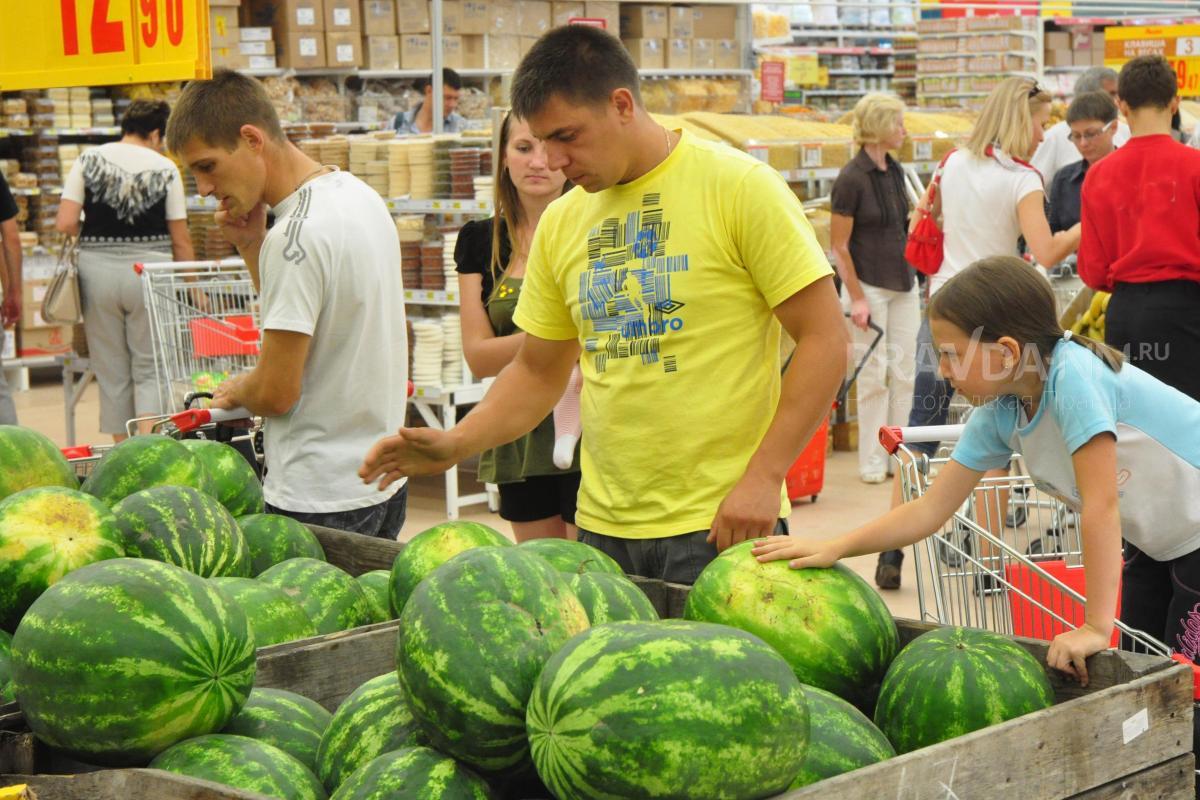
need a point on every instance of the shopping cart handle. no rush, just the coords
(892, 437)
(193, 418)
(77, 452)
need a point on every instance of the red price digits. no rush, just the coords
(108, 36)
(174, 22)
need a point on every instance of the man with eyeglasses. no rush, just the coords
(1092, 119)
(1056, 150)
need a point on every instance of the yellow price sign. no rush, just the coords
(803, 70)
(1179, 44)
(52, 43)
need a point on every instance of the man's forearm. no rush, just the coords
(12, 256)
(517, 401)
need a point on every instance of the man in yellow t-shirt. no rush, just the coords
(667, 272)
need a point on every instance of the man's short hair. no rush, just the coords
(1147, 81)
(581, 64)
(214, 111)
(1094, 78)
(1093, 105)
(144, 117)
(449, 78)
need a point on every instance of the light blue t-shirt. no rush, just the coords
(1158, 445)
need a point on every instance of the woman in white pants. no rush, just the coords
(869, 229)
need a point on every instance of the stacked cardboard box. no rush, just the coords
(681, 37)
(257, 45)
(380, 44)
(1078, 48)
(224, 34)
(298, 27)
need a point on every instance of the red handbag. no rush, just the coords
(924, 249)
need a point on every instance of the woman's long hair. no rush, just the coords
(1007, 118)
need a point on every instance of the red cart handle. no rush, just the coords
(892, 437)
(193, 418)
(78, 452)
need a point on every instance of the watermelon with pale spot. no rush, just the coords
(142, 462)
(274, 538)
(274, 616)
(287, 720)
(414, 773)
(842, 739)
(45, 533)
(185, 527)
(29, 459)
(573, 557)
(332, 599)
(611, 598)
(235, 483)
(431, 548)
(374, 720)
(376, 584)
(243, 763)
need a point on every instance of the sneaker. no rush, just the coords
(873, 477)
(887, 571)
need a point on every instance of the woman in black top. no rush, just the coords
(535, 496)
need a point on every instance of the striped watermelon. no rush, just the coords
(573, 557)
(376, 584)
(121, 659)
(431, 548)
(473, 637)
(414, 773)
(829, 624)
(235, 483)
(332, 599)
(29, 460)
(242, 763)
(667, 709)
(44, 534)
(287, 720)
(951, 681)
(141, 462)
(274, 538)
(842, 739)
(611, 598)
(274, 616)
(374, 720)
(6, 688)
(185, 527)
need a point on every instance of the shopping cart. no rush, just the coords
(203, 325)
(1010, 560)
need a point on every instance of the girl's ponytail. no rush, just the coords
(1111, 356)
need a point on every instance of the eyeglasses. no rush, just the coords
(1087, 136)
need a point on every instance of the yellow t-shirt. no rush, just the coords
(668, 283)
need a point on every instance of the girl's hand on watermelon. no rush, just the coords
(1069, 651)
(801, 554)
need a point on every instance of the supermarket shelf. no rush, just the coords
(846, 33)
(695, 73)
(834, 73)
(5, 132)
(113, 131)
(1052, 70)
(429, 297)
(424, 73)
(854, 51)
(1019, 53)
(954, 94)
(821, 174)
(976, 34)
(338, 126)
(25, 192)
(198, 203)
(773, 40)
(405, 205)
(263, 73)
(836, 92)
(904, 80)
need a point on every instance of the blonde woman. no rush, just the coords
(869, 229)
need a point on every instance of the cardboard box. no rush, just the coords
(1081, 58)
(257, 35)
(526, 43)
(503, 16)
(1059, 58)
(287, 16)
(503, 51)
(644, 21)
(1097, 56)
(607, 10)
(452, 17)
(1083, 40)
(261, 62)
(223, 30)
(227, 57)
(562, 12)
(714, 22)
(266, 48)
(416, 51)
(378, 18)
(474, 52)
(680, 22)
(533, 17)
(703, 54)
(33, 292)
(727, 54)
(679, 54)
(45, 341)
(477, 16)
(302, 50)
(1006, 23)
(1058, 40)
(647, 53)
(452, 52)
(381, 52)
(412, 16)
(343, 50)
(343, 16)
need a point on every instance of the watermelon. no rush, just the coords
(430, 549)
(185, 527)
(332, 599)
(951, 681)
(667, 709)
(573, 557)
(274, 616)
(6, 689)
(141, 462)
(609, 598)
(274, 538)
(842, 739)
(414, 773)
(29, 460)
(44, 534)
(287, 720)
(374, 720)
(376, 583)
(473, 637)
(242, 763)
(235, 483)
(829, 624)
(121, 659)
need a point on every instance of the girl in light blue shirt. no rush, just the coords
(1113, 443)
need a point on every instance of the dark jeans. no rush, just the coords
(931, 394)
(1162, 599)
(383, 520)
(1157, 325)
(674, 559)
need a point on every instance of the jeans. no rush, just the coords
(931, 395)
(383, 520)
(674, 559)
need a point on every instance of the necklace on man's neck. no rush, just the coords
(670, 144)
(314, 174)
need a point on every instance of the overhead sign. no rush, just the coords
(50, 43)
(1179, 44)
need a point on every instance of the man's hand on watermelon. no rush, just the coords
(800, 553)
(1069, 651)
(749, 511)
(412, 451)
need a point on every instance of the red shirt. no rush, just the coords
(1141, 215)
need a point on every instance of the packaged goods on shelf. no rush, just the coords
(770, 24)
(320, 101)
(788, 144)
